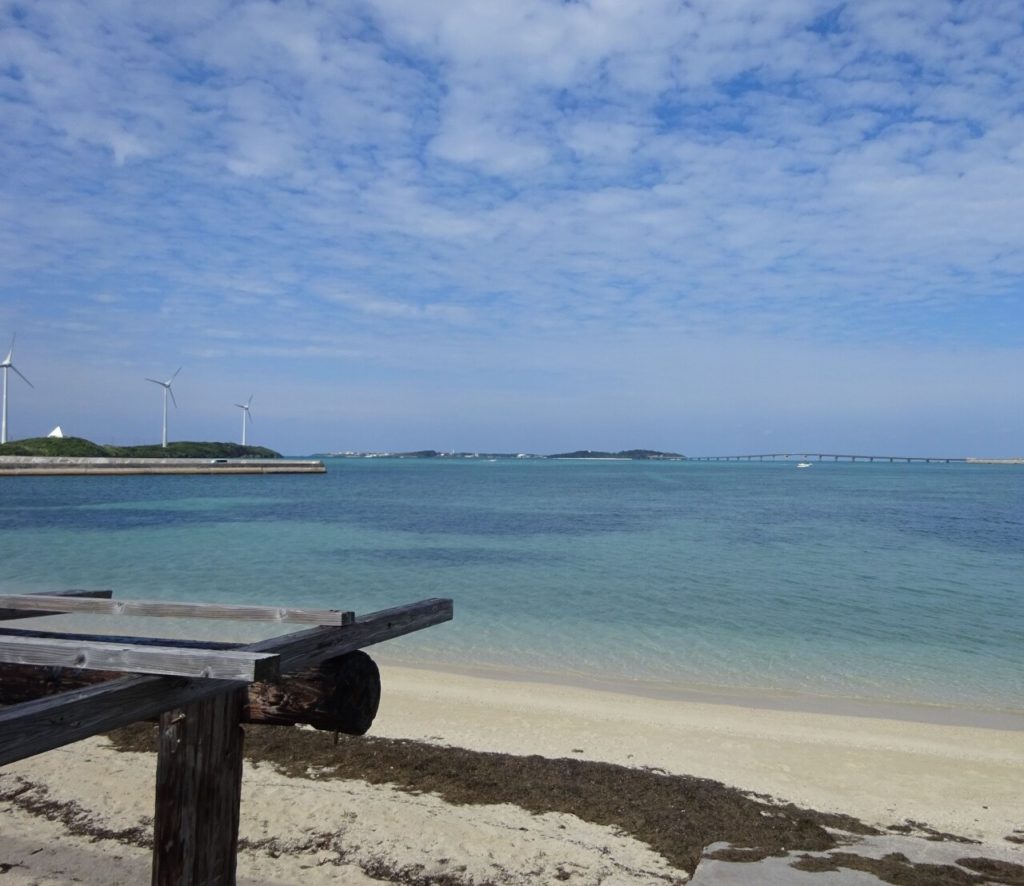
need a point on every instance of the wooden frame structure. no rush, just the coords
(201, 692)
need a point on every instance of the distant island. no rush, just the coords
(78, 447)
(628, 454)
(633, 454)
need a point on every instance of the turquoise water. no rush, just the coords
(876, 581)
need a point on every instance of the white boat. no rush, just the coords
(804, 464)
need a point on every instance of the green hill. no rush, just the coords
(77, 447)
(56, 446)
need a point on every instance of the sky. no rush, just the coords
(703, 227)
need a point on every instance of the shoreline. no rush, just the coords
(468, 779)
(959, 779)
(1009, 718)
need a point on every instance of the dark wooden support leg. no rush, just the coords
(198, 793)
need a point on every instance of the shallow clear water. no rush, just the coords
(894, 582)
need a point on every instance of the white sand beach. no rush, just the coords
(954, 778)
(962, 779)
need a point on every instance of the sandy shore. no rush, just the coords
(67, 815)
(956, 778)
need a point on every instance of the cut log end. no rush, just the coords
(339, 695)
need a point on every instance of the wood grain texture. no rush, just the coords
(46, 723)
(198, 793)
(156, 608)
(304, 648)
(130, 639)
(339, 695)
(6, 614)
(43, 724)
(224, 664)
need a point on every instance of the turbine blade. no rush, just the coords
(249, 402)
(15, 368)
(171, 392)
(173, 377)
(157, 382)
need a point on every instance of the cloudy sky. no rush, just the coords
(711, 227)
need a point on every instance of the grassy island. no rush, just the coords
(78, 447)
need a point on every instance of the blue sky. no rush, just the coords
(708, 227)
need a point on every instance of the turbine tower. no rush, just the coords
(246, 415)
(5, 365)
(166, 385)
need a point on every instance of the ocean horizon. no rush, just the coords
(880, 583)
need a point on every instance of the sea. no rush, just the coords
(873, 583)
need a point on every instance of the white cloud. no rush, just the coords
(347, 183)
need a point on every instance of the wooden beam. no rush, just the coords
(46, 723)
(339, 695)
(33, 603)
(130, 639)
(20, 613)
(297, 650)
(41, 725)
(198, 792)
(225, 664)
(309, 647)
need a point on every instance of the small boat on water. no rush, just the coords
(804, 464)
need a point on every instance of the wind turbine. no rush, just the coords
(5, 365)
(166, 385)
(246, 415)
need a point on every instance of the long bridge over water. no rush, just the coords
(825, 456)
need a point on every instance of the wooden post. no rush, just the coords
(199, 792)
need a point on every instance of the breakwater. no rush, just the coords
(35, 465)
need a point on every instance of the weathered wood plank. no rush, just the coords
(157, 608)
(224, 664)
(6, 614)
(339, 695)
(299, 649)
(130, 639)
(41, 725)
(198, 793)
(46, 723)
(304, 648)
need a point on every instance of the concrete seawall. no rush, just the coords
(37, 466)
(995, 461)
